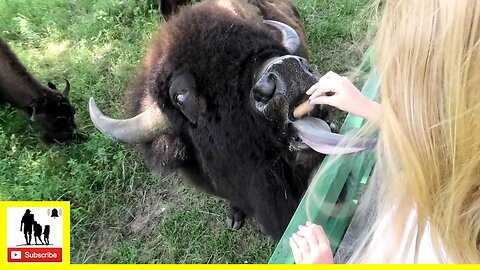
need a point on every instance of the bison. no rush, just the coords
(46, 106)
(214, 101)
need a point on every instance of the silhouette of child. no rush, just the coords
(46, 234)
(37, 232)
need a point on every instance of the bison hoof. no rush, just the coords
(262, 229)
(235, 218)
(234, 225)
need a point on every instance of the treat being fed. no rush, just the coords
(302, 109)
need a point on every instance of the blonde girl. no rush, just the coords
(428, 153)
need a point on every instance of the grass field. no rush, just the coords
(121, 213)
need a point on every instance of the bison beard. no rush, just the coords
(225, 86)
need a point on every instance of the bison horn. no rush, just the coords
(141, 128)
(34, 114)
(66, 91)
(290, 38)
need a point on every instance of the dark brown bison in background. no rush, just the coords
(214, 101)
(46, 106)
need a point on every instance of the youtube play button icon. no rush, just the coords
(16, 255)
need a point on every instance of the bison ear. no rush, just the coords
(169, 8)
(52, 86)
(66, 90)
(33, 116)
(183, 95)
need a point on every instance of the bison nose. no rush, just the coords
(264, 88)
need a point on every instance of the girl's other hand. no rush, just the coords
(310, 245)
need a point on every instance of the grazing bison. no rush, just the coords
(46, 106)
(214, 101)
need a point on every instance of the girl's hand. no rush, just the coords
(335, 90)
(310, 245)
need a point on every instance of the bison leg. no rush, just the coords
(235, 218)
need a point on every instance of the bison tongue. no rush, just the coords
(316, 134)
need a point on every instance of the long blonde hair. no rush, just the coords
(428, 59)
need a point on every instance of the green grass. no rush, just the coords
(120, 212)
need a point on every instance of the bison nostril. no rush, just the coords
(264, 89)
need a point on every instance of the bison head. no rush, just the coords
(215, 100)
(273, 82)
(54, 114)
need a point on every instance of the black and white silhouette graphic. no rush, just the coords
(33, 229)
(27, 224)
(34, 234)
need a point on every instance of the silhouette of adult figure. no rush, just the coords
(37, 232)
(46, 234)
(27, 223)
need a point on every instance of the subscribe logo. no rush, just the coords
(35, 255)
(15, 255)
(34, 235)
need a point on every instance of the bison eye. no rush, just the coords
(180, 99)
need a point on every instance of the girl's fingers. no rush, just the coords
(319, 233)
(323, 242)
(318, 230)
(317, 86)
(297, 254)
(309, 234)
(310, 90)
(302, 243)
(322, 89)
(329, 76)
(332, 75)
(313, 88)
(321, 100)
